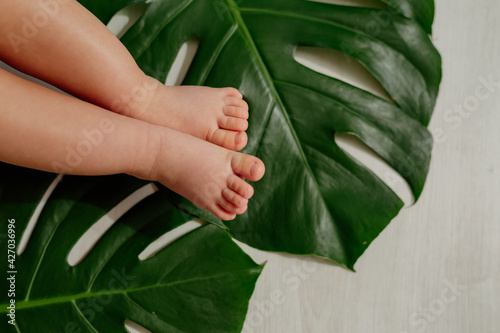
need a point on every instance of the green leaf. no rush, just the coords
(201, 282)
(314, 198)
(422, 11)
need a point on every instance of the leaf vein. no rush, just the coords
(82, 316)
(68, 298)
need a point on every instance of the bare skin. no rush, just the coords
(154, 132)
(215, 115)
(42, 129)
(60, 42)
(214, 180)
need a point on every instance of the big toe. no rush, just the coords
(229, 139)
(247, 166)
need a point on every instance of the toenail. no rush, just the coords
(238, 138)
(253, 169)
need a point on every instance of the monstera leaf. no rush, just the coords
(422, 11)
(201, 282)
(315, 198)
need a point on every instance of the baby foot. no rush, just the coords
(217, 115)
(209, 176)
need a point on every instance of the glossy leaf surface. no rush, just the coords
(422, 11)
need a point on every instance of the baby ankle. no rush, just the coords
(137, 101)
(147, 154)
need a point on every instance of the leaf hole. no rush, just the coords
(352, 145)
(126, 18)
(90, 238)
(169, 237)
(36, 214)
(340, 66)
(182, 62)
(355, 3)
(132, 327)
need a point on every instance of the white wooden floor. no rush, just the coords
(436, 269)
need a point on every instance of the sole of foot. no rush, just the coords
(211, 177)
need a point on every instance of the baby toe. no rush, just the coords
(233, 101)
(232, 92)
(231, 123)
(230, 208)
(240, 186)
(247, 166)
(234, 198)
(222, 213)
(241, 210)
(229, 139)
(237, 112)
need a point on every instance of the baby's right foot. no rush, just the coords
(217, 115)
(209, 176)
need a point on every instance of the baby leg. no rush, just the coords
(60, 42)
(46, 130)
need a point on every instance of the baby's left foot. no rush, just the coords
(217, 115)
